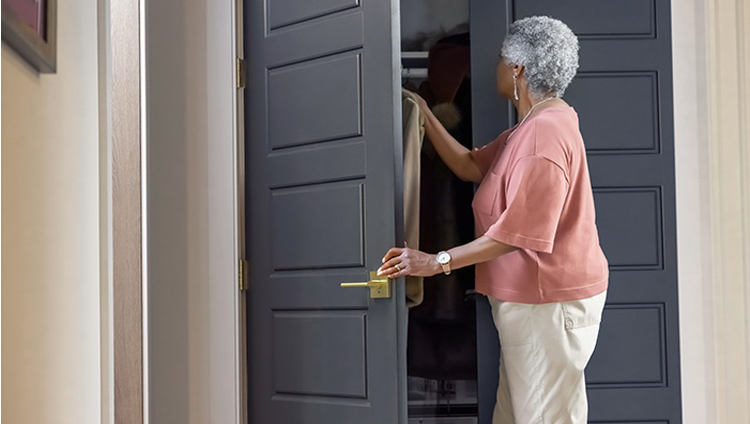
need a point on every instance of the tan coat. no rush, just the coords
(413, 136)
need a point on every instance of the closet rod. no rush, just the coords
(413, 72)
(414, 59)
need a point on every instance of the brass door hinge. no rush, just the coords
(241, 73)
(244, 280)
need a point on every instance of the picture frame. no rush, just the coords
(30, 28)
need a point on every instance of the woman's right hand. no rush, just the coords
(422, 103)
(457, 157)
(399, 262)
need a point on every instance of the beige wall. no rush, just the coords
(711, 56)
(728, 89)
(50, 230)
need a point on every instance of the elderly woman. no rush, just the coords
(537, 254)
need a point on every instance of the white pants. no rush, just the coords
(543, 351)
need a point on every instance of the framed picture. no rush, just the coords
(30, 28)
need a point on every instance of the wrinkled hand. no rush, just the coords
(399, 262)
(423, 106)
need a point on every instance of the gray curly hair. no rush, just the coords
(548, 50)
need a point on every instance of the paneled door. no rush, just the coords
(323, 137)
(623, 96)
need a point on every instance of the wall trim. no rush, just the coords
(127, 265)
(693, 211)
(728, 71)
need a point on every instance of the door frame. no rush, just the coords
(123, 371)
(144, 362)
(700, 320)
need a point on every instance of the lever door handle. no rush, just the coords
(380, 287)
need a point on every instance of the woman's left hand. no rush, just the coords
(399, 262)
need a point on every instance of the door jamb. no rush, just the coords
(241, 209)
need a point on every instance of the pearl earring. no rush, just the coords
(515, 88)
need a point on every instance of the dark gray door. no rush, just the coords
(322, 140)
(623, 95)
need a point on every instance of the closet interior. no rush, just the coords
(441, 347)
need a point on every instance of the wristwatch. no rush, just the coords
(444, 259)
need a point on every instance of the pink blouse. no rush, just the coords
(536, 195)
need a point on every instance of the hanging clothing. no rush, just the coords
(442, 329)
(413, 135)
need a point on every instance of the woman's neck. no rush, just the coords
(525, 103)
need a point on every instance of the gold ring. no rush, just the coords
(398, 267)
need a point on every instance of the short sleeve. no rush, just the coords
(535, 194)
(485, 156)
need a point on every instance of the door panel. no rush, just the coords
(629, 125)
(323, 206)
(335, 77)
(596, 18)
(305, 338)
(287, 12)
(622, 94)
(630, 228)
(327, 216)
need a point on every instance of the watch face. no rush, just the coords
(443, 257)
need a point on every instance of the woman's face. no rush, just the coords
(504, 79)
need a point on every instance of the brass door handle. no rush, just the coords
(380, 287)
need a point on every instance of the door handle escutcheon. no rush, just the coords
(380, 287)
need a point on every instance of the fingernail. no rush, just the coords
(382, 260)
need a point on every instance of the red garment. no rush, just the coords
(536, 195)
